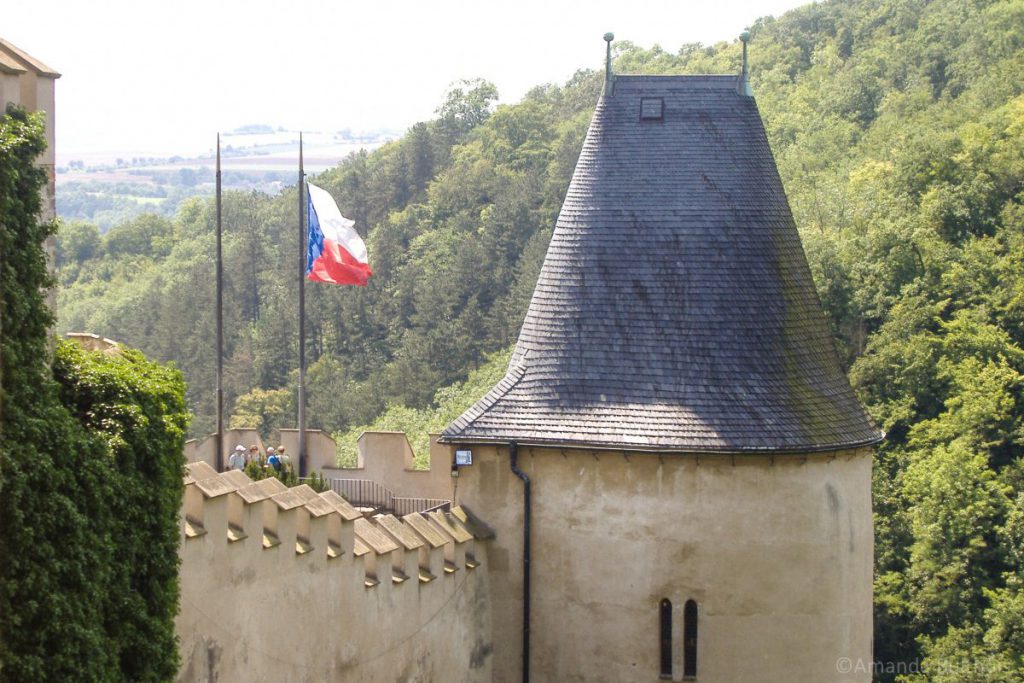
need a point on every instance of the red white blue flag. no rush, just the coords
(334, 251)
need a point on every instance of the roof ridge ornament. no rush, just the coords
(744, 85)
(609, 79)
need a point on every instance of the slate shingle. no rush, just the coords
(675, 310)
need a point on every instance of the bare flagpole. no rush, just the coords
(220, 326)
(302, 316)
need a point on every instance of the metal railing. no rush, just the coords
(407, 506)
(365, 493)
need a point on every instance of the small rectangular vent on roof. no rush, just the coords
(652, 109)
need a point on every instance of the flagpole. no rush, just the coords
(302, 317)
(220, 326)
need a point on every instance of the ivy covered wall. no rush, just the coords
(90, 472)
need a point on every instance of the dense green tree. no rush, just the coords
(90, 472)
(137, 409)
(147, 235)
(467, 104)
(78, 242)
(264, 410)
(52, 483)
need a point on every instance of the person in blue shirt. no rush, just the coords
(273, 460)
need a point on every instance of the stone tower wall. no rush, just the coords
(777, 552)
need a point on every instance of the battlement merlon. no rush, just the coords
(230, 513)
(388, 459)
(384, 457)
(266, 572)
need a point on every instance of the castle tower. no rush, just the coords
(26, 81)
(698, 503)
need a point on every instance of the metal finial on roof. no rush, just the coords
(745, 88)
(608, 38)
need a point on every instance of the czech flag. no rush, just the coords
(334, 251)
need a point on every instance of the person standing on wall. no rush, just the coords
(237, 459)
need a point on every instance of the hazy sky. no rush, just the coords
(146, 77)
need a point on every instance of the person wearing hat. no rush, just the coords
(273, 460)
(237, 459)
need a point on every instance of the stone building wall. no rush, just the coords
(287, 585)
(777, 552)
(387, 458)
(205, 449)
(384, 457)
(27, 82)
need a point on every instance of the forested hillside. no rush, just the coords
(457, 215)
(898, 127)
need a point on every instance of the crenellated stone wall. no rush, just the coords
(776, 551)
(320, 446)
(387, 458)
(321, 449)
(283, 584)
(94, 342)
(384, 457)
(205, 449)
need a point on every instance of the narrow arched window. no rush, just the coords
(690, 639)
(665, 617)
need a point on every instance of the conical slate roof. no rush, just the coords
(675, 310)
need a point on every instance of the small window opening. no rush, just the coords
(690, 639)
(665, 617)
(652, 109)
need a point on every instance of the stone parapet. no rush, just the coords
(265, 564)
(387, 458)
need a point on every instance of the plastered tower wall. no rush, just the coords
(287, 585)
(777, 552)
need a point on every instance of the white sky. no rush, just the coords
(141, 76)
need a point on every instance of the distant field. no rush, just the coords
(107, 188)
(106, 177)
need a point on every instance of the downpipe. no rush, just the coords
(513, 451)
